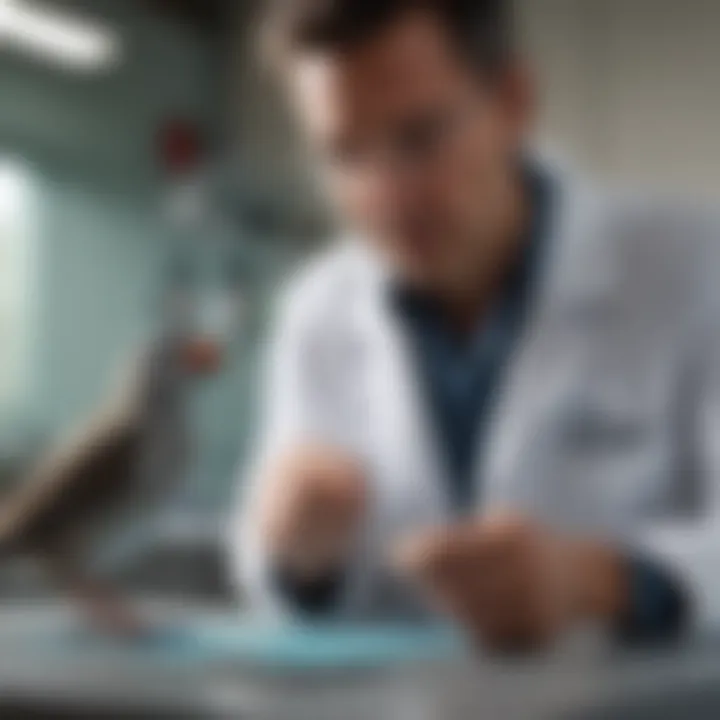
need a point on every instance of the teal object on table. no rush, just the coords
(295, 648)
(335, 647)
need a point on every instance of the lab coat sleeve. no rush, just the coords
(296, 408)
(690, 546)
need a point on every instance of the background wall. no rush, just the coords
(630, 86)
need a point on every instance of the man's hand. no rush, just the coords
(312, 504)
(516, 586)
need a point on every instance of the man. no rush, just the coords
(498, 395)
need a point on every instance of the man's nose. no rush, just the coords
(394, 191)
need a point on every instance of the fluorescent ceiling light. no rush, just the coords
(58, 37)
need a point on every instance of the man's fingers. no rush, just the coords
(513, 583)
(311, 506)
(494, 577)
(473, 551)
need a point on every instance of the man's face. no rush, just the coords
(416, 150)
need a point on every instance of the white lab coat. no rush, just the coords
(607, 421)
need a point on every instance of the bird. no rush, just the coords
(112, 470)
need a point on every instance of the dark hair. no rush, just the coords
(482, 30)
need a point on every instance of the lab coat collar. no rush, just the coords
(578, 274)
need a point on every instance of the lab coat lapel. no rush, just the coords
(572, 295)
(405, 453)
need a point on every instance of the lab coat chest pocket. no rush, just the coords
(619, 453)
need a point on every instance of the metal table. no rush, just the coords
(581, 682)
